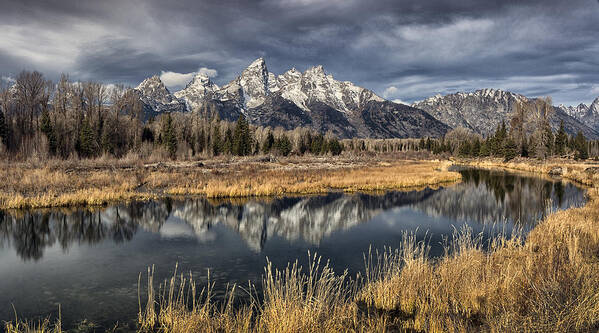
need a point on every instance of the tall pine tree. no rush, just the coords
(242, 140)
(580, 144)
(169, 137)
(46, 128)
(561, 140)
(217, 143)
(86, 140)
(268, 143)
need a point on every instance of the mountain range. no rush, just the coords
(312, 99)
(317, 100)
(482, 110)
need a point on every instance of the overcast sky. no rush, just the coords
(401, 49)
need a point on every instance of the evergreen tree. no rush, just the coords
(317, 145)
(46, 128)
(561, 140)
(228, 142)
(510, 149)
(335, 147)
(147, 135)
(86, 140)
(580, 144)
(3, 129)
(283, 145)
(242, 139)
(169, 137)
(217, 144)
(498, 140)
(484, 149)
(475, 149)
(304, 143)
(429, 146)
(268, 143)
(464, 149)
(524, 149)
(421, 144)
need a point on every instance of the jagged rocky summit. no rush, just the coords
(310, 99)
(588, 114)
(156, 98)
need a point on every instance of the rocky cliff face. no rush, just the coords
(482, 110)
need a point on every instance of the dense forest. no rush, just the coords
(88, 119)
(42, 119)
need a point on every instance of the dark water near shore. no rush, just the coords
(88, 261)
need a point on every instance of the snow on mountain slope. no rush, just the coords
(256, 83)
(482, 110)
(197, 90)
(312, 98)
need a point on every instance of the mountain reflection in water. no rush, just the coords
(484, 197)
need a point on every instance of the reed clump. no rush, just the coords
(40, 326)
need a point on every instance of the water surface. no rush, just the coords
(88, 261)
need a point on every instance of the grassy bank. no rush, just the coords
(548, 282)
(581, 172)
(98, 182)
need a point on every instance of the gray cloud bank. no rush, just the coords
(404, 50)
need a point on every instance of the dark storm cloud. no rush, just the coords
(401, 49)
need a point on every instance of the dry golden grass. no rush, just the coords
(44, 326)
(55, 184)
(281, 181)
(39, 326)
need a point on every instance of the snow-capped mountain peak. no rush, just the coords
(157, 98)
(197, 90)
(201, 79)
(252, 88)
(254, 83)
(153, 87)
(259, 63)
(594, 107)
